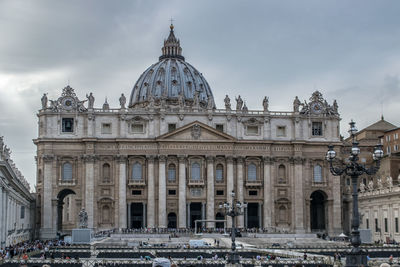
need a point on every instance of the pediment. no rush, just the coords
(196, 131)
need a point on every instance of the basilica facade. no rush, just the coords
(167, 156)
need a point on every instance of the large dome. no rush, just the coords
(171, 81)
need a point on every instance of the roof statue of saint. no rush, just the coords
(171, 81)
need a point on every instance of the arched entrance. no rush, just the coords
(219, 216)
(137, 216)
(60, 206)
(172, 220)
(317, 211)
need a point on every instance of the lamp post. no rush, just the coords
(233, 210)
(354, 169)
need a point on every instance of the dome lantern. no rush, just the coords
(172, 47)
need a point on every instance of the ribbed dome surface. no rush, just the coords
(171, 80)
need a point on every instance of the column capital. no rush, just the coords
(182, 158)
(89, 157)
(162, 158)
(48, 157)
(120, 158)
(210, 159)
(268, 159)
(239, 159)
(297, 160)
(229, 159)
(150, 158)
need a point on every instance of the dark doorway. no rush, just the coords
(60, 206)
(252, 215)
(172, 220)
(195, 214)
(317, 211)
(219, 216)
(136, 215)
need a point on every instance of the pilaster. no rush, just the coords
(182, 192)
(299, 200)
(121, 160)
(150, 193)
(162, 195)
(48, 231)
(229, 185)
(210, 192)
(89, 188)
(239, 188)
(268, 190)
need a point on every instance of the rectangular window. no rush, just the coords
(136, 192)
(172, 192)
(388, 149)
(22, 212)
(219, 127)
(252, 130)
(253, 193)
(137, 128)
(106, 128)
(387, 138)
(220, 192)
(171, 127)
(367, 223)
(386, 225)
(67, 125)
(396, 224)
(396, 136)
(347, 181)
(376, 225)
(316, 129)
(396, 147)
(281, 131)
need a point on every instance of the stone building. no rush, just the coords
(16, 203)
(170, 157)
(380, 194)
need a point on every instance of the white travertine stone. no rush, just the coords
(229, 186)
(162, 194)
(47, 193)
(337, 225)
(2, 215)
(122, 194)
(268, 204)
(210, 192)
(182, 193)
(239, 186)
(89, 190)
(299, 196)
(150, 194)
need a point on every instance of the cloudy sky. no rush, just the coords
(349, 50)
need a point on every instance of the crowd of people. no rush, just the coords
(22, 250)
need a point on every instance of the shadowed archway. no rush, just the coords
(60, 203)
(317, 211)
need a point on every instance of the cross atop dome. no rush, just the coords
(172, 47)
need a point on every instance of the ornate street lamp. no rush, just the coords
(233, 210)
(352, 168)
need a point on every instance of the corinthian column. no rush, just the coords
(162, 196)
(47, 230)
(240, 188)
(299, 195)
(89, 188)
(182, 192)
(229, 186)
(122, 192)
(268, 187)
(150, 194)
(210, 192)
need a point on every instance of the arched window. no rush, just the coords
(195, 171)
(106, 214)
(137, 171)
(252, 172)
(67, 171)
(281, 174)
(219, 173)
(317, 173)
(171, 172)
(106, 173)
(282, 214)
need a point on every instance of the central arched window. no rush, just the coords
(106, 173)
(252, 172)
(137, 171)
(317, 173)
(219, 173)
(171, 172)
(67, 171)
(195, 171)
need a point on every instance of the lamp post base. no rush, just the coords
(356, 257)
(233, 259)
